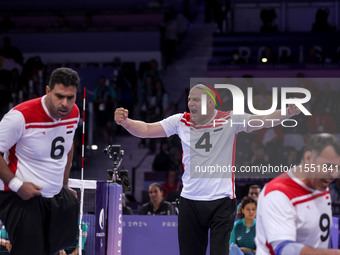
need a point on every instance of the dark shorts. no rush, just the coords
(196, 218)
(40, 226)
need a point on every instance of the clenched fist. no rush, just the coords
(121, 115)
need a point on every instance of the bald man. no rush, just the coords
(208, 139)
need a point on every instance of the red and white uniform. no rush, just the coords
(289, 210)
(36, 145)
(206, 146)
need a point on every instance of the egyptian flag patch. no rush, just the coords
(69, 129)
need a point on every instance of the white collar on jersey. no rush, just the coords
(298, 181)
(215, 113)
(45, 108)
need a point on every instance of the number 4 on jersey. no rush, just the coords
(204, 142)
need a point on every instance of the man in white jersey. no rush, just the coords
(36, 139)
(207, 201)
(294, 210)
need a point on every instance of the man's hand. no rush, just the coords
(293, 110)
(8, 245)
(29, 190)
(121, 115)
(72, 190)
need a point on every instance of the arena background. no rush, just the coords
(122, 41)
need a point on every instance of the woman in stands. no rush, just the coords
(242, 239)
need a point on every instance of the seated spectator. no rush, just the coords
(157, 205)
(162, 161)
(260, 156)
(5, 243)
(334, 189)
(243, 235)
(126, 209)
(321, 21)
(293, 157)
(254, 191)
(171, 184)
(103, 98)
(10, 51)
(321, 121)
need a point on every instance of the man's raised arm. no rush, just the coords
(138, 128)
(273, 119)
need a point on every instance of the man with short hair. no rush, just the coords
(294, 210)
(36, 137)
(254, 191)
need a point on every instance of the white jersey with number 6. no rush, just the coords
(36, 145)
(208, 153)
(289, 210)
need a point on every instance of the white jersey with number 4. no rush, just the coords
(208, 153)
(36, 145)
(289, 210)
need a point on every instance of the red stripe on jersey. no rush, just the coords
(51, 126)
(34, 112)
(270, 248)
(186, 123)
(13, 162)
(233, 164)
(221, 114)
(311, 198)
(186, 116)
(286, 185)
(70, 126)
(183, 163)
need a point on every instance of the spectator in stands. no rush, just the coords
(74, 249)
(7, 23)
(147, 90)
(126, 88)
(328, 98)
(321, 22)
(153, 72)
(171, 184)
(161, 103)
(103, 99)
(321, 121)
(292, 157)
(157, 205)
(126, 209)
(243, 234)
(268, 16)
(162, 161)
(12, 52)
(334, 189)
(259, 155)
(61, 22)
(4, 242)
(254, 191)
(170, 36)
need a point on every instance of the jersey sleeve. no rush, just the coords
(278, 217)
(170, 124)
(240, 122)
(12, 127)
